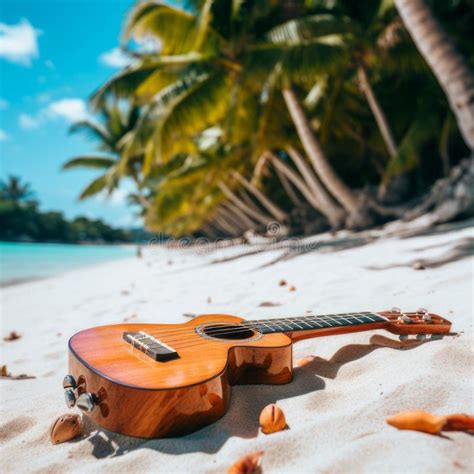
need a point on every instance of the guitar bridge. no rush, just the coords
(149, 345)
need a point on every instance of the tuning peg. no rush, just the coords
(70, 397)
(421, 337)
(396, 310)
(427, 318)
(403, 337)
(86, 402)
(69, 382)
(422, 310)
(404, 319)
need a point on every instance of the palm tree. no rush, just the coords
(112, 134)
(450, 68)
(14, 190)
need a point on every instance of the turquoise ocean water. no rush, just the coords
(20, 261)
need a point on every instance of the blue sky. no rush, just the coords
(53, 54)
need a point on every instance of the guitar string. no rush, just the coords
(253, 323)
(276, 321)
(219, 332)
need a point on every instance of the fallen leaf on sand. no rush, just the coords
(5, 371)
(8, 375)
(249, 464)
(428, 423)
(268, 304)
(459, 422)
(292, 288)
(417, 421)
(12, 336)
(304, 361)
(282, 283)
(65, 428)
(272, 419)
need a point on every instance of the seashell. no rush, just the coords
(65, 428)
(5, 372)
(417, 421)
(249, 464)
(12, 336)
(272, 419)
(292, 288)
(282, 283)
(304, 361)
(459, 422)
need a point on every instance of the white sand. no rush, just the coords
(335, 407)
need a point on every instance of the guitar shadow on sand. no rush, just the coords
(247, 401)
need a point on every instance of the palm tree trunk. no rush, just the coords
(233, 219)
(258, 216)
(377, 111)
(318, 158)
(333, 209)
(224, 225)
(244, 219)
(288, 188)
(291, 175)
(272, 208)
(450, 68)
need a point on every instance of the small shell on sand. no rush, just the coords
(249, 464)
(13, 336)
(272, 419)
(65, 428)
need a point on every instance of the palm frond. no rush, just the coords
(176, 30)
(298, 31)
(188, 108)
(93, 130)
(95, 187)
(91, 161)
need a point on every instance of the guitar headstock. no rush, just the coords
(420, 322)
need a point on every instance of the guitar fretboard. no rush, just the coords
(304, 323)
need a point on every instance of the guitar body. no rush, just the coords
(162, 380)
(138, 396)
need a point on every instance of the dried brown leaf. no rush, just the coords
(12, 336)
(417, 421)
(459, 422)
(249, 464)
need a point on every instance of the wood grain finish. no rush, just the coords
(140, 397)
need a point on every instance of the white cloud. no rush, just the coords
(3, 104)
(19, 43)
(70, 109)
(115, 58)
(3, 135)
(27, 122)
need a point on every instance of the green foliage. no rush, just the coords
(21, 219)
(208, 99)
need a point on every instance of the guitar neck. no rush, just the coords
(308, 326)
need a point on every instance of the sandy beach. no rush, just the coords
(336, 405)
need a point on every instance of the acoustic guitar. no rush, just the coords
(162, 380)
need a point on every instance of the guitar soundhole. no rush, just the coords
(231, 332)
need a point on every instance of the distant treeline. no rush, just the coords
(22, 220)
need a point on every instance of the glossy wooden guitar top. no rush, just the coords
(157, 380)
(102, 349)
